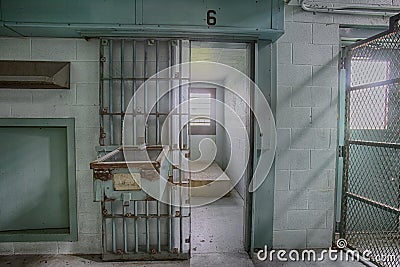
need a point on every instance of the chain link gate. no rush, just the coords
(371, 181)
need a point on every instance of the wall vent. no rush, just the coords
(34, 74)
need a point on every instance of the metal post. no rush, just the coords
(340, 159)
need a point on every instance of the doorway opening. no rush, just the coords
(219, 134)
(144, 92)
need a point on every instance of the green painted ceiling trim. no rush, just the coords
(261, 19)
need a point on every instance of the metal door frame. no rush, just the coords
(261, 224)
(248, 215)
(249, 201)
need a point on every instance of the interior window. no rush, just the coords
(202, 111)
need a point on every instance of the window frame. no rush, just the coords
(209, 129)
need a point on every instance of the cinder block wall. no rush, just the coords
(306, 123)
(79, 102)
(236, 146)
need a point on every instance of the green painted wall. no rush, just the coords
(37, 180)
(33, 178)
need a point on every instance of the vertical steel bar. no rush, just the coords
(122, 87)
(188, 149)
(180, 149)
(104, 230)
(180, 97)
(188, 99)
(145, 94)
(157, 96)
(114, 243)
(170, 224)
(158, 227)
(101, 93)
(124, 230)
(134, 89)
(147, 227)
(170, 93)
(110, 92)
(170, 233)
(136, 227)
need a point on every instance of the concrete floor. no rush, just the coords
(204, 259)
(217, 240)
(217, 234)
(325, 263)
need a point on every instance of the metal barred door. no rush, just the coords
(135, 225)
(371, 180)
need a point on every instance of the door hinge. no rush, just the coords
(342, 63)
(341, 151)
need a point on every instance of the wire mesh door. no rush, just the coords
(371, 183)
(135, 225)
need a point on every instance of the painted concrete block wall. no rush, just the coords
(220, 133)
(236, 143)
(306, 123)
(81, 103)
(207, 146)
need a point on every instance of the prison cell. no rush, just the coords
(135, 224)
(371, 181)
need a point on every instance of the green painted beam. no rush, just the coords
(261, 19)
(263, 197)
